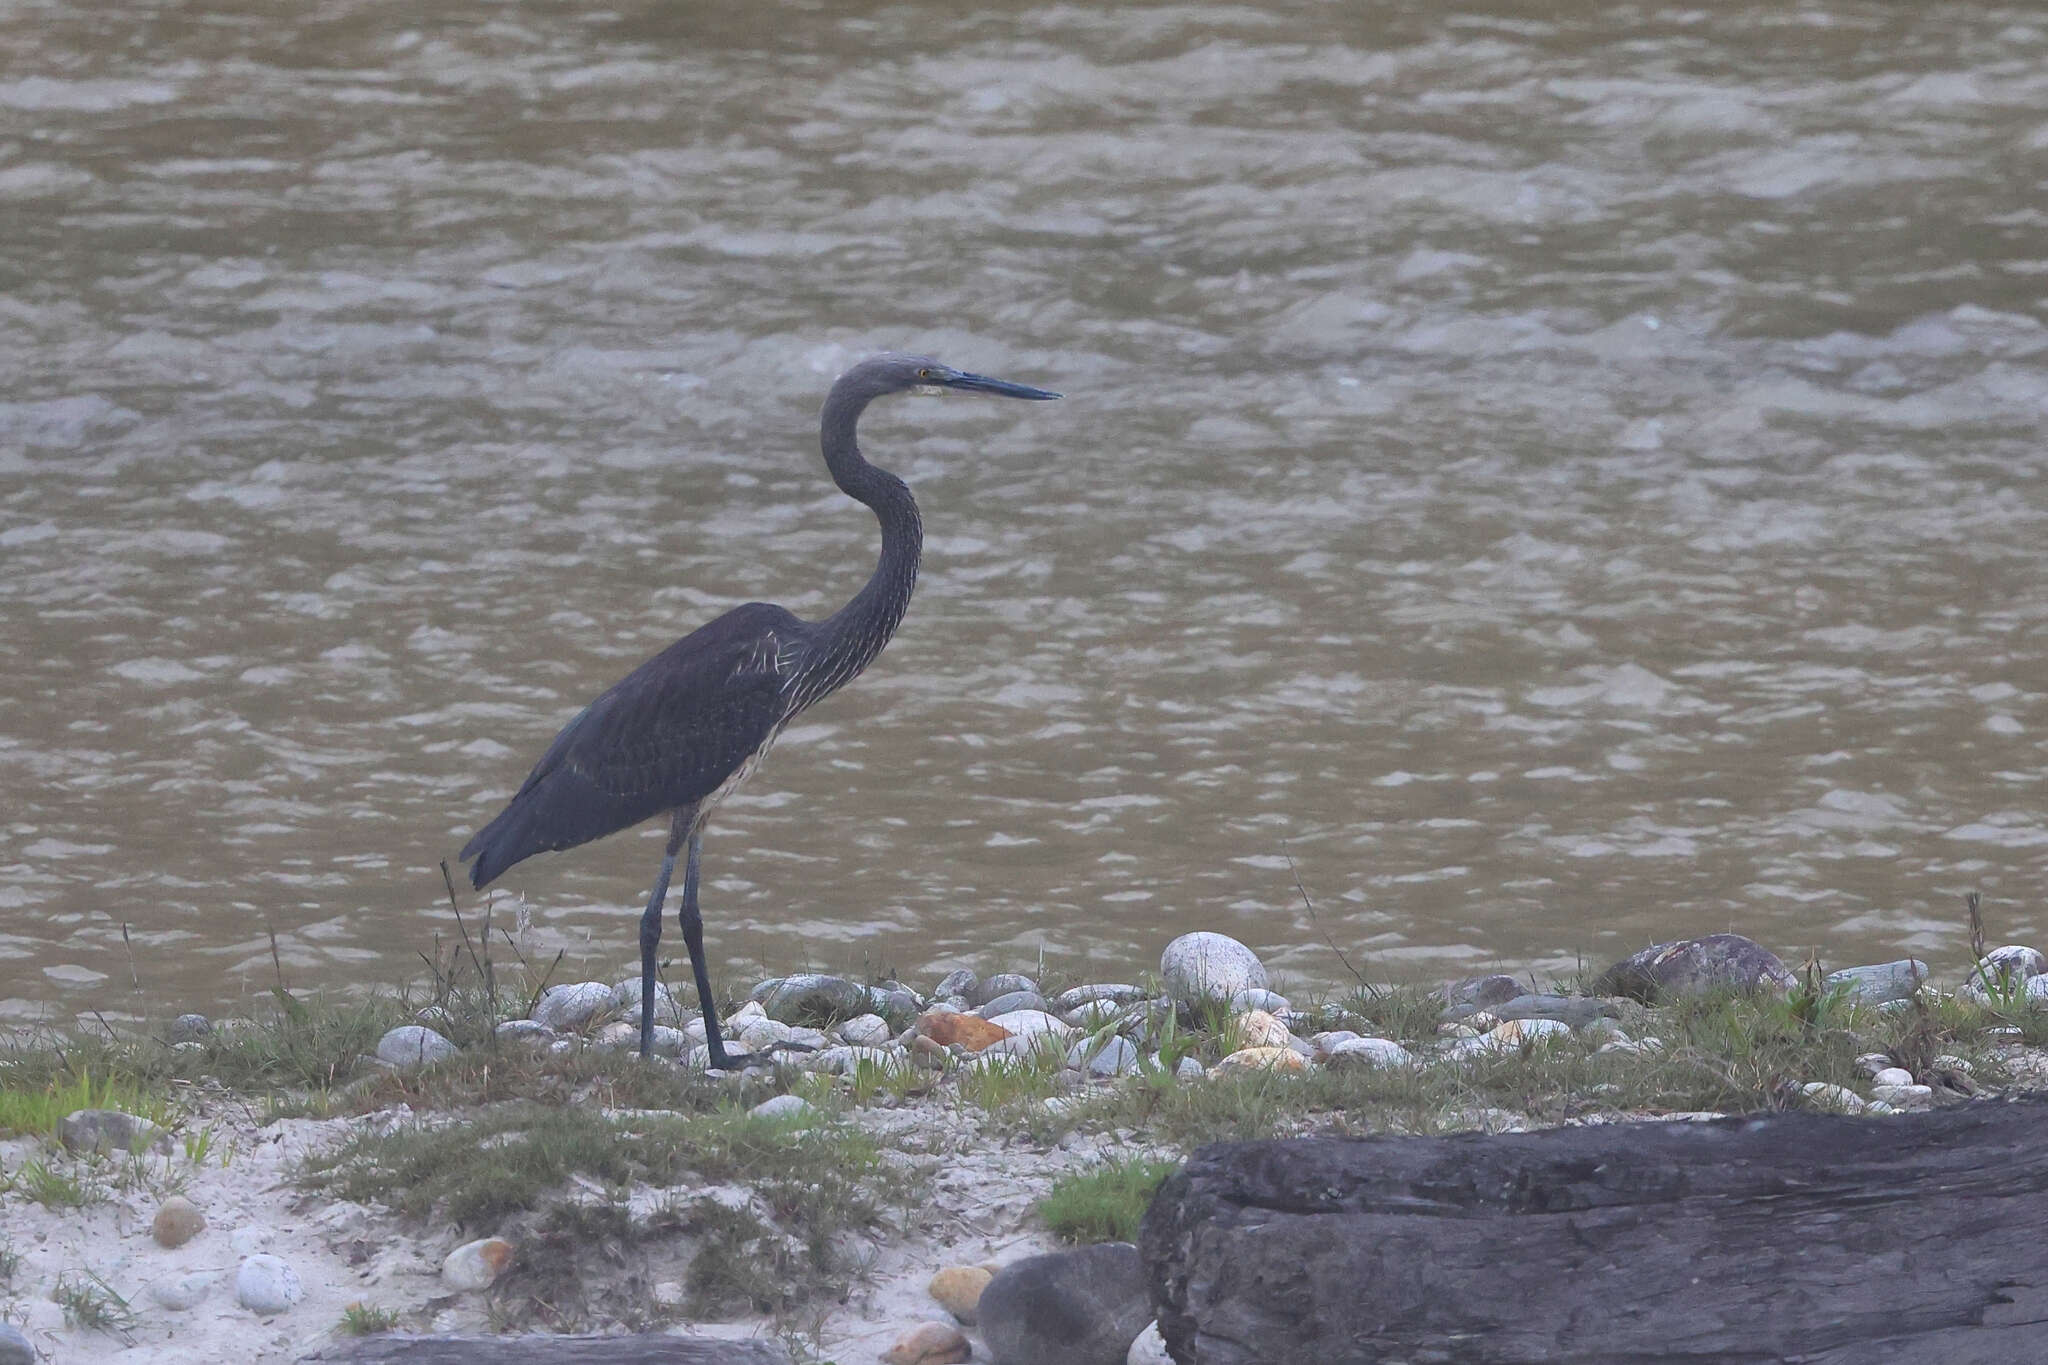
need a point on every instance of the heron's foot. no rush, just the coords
(738, 1061)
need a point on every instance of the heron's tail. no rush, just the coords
(507, 840)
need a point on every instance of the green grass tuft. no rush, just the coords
(1106, 1204)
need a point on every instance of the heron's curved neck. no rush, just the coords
(854, 635)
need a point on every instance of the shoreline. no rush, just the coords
(900, 1132)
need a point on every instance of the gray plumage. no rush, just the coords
(679, 732)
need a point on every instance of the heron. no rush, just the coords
(676, 735)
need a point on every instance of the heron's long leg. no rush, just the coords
(693, 939)
(650, 935)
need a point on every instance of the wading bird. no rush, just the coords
(678, 733)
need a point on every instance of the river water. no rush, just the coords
(1563, 476)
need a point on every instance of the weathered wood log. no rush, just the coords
(1784, 1237)
(638, 1349)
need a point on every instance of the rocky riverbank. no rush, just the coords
(887, 1176)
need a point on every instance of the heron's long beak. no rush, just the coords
(981, 383)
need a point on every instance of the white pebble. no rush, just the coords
(1892, 1075)
(179, 1292)
(1369, 1052)
(1821, 1095)
(1904, 1096)
(473, 1265)
(865, 1030)
(266, 1285)
(1209, 967)
(572, 1005)
(785, 1108)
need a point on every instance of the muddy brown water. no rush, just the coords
(1563, 475)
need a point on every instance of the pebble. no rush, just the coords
(1891, 1075)
(968, 1030)
(1479, 992)
(2011, 962)
(1573, 1011)
(251, 1238)
(1010, 1002)
(1821, 1095)
(1002, 983)
(1516, 1032)
(414, 1045)
(1259, 1029)
(959, 981)
(266, 1285)
(573, 1005)
(784, 1109)
(1149, 1349)
(14, 1347)
(957, 1288)
(845, 1061)
(929, 1343)
(1116, 993)
(1260, 1059)
(1081, 1307)
(524, 1032)
(626, 1000)
(1881, 983)
(1113, 1056)
(178, 1220)
(896, 1004)
(109, 1130)
(179, 1292)
(1873, 1062)
(1259, 998)
(814, 999)
(1355, 1052)
(1031, 1021)
(1205, 967)
(1188, 1069)
(866, 1030)
(474, 1265)
(1905, 1095)
(188, 1028)
(1092, 1014)
(1693, 966)
(1323, 1042)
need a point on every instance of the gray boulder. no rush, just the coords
(1479, 992)
(2003, 971)
(1875, 985)
(1116, 992)
(414, 1045)
(960, 981)
(813, 999)
(1013, 1000)
(14, 1347)
(1002, 983)
(1081, 1307)
(1575, 1010)
(1206, 968)
(573, 1005)
(1695, 966)
(188, 1028)
(109, 1130)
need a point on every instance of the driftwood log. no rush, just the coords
(641, 1349)
(1787, 1237)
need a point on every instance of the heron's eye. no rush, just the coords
(924, 374)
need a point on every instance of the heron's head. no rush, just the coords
(892, 373)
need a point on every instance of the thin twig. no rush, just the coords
(474, 961)
(542, 988)
(276, 962)
(128, 945)
(1974, 903)
(1316, 920)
